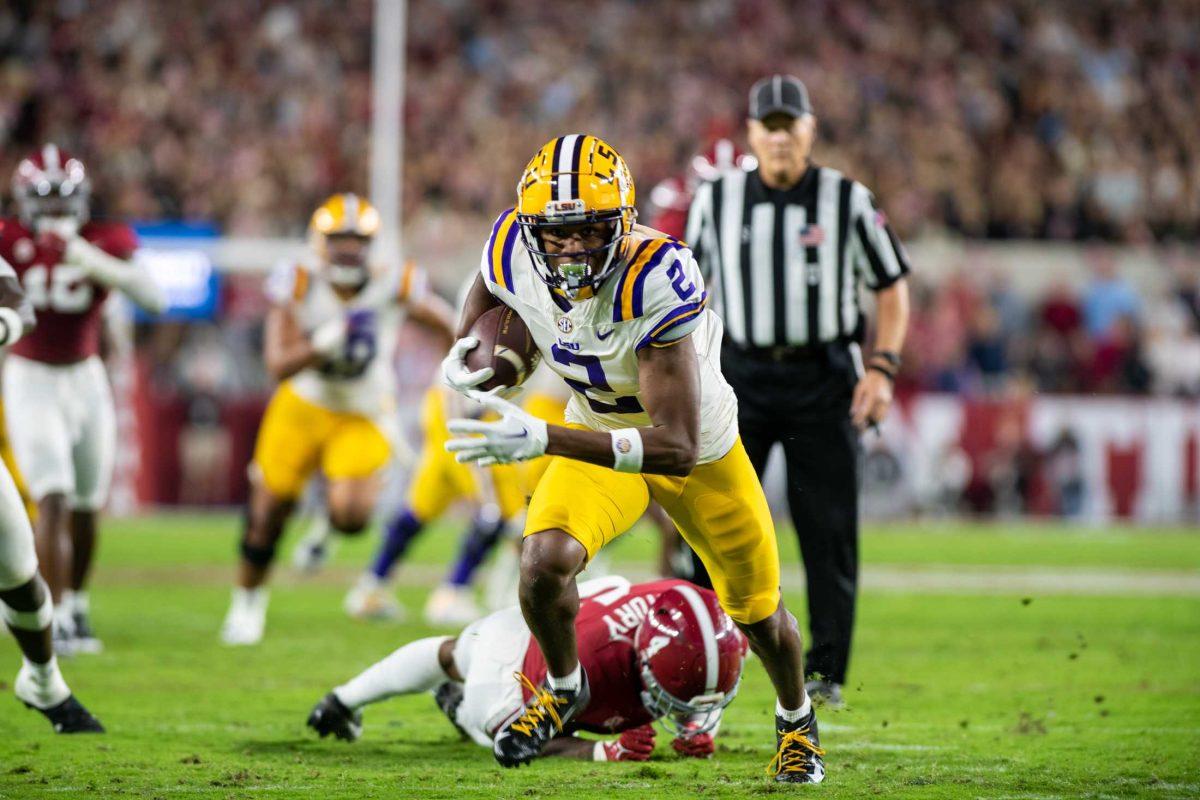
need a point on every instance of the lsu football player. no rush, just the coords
(330, 333)
(656, 651)
(619, 312)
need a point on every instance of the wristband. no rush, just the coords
(891, 357)
(627, 450)
(599, 753)
(13, 327)
(891, 376)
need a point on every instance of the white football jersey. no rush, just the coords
(340, 385)
(656, 298)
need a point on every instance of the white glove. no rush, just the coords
(516, 436)
(329, 337)
(454, 367)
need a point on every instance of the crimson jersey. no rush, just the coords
(604, 631)
(67, 303)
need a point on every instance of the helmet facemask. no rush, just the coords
(52, 200)
(579, 274)
(346, 265)
(684, 718)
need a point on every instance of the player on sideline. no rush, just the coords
(655, 651)
(330, 334)
(25, 603)
(67, 265)
(619, 312)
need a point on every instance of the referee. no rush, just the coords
(786, 247)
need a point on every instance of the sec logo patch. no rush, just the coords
(564, 325)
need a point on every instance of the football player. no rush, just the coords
(330, 333)
(619, 311)
(660, 651)
(67, 264)
(25, 603)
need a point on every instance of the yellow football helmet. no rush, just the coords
(347, 215)
(576, 180)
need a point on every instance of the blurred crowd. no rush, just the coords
(1000, 118)
(973, 334)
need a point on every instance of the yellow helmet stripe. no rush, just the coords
(634, 279)
(504, 235)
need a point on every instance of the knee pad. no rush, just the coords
(257, 555)
(37, 620)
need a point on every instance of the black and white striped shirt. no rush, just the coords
(786, 264)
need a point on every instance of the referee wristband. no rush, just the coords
(627, 450)
(10, 322)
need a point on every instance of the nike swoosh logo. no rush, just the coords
(603, 336)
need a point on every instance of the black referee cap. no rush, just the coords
(779, 94)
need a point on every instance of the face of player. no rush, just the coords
(346, 258)
(782, 144)
(577, 249)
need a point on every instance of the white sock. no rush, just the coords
(43, 684)
(411, 669)
(571, 682)
(250, 598)
(80, 602)
(794, 715)
(67, 602)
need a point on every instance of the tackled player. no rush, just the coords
(619, 312)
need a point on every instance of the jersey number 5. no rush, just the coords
(64, 289)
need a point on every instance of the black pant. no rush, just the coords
(804, 404)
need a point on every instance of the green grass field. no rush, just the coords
(991, 661)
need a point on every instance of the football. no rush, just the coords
(505, 345)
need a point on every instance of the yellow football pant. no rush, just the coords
(720, 510)
(297, 436)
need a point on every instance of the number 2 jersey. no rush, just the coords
(654, 299)
(68, 305)
(364, 385)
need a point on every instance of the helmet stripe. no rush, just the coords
(563, 154)
(350, 212)
(707, 635)
(51, 160)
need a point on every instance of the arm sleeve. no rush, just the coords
(878, 255)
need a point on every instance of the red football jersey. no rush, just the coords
(67, 303)
(604, 631)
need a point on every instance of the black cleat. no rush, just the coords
(798, 751)
(331, 715)
(545, 716)
(70, 716)
(449, 697)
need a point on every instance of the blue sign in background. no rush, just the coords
(177, 256)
